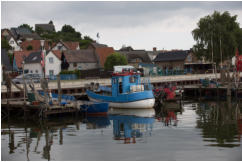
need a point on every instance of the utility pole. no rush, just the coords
(220, 52)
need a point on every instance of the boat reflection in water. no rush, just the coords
(132, 125)
(96, 122)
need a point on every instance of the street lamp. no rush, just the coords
(24, 86)
(43, 55)
(42, 44)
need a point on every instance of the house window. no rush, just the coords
(189, 58)
(51, 72)
(36, 71)
(51, 60)
(59, 47)
(31, 71)
(75, 64)
(11, 42)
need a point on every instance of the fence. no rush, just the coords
(64, 77)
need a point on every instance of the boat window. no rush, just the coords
(132, 79)
(114, 81)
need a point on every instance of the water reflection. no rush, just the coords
(220, 123)
(132, 125)
(168, 114)
(96, 122)
(42, 133)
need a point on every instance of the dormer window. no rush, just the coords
(35, 58)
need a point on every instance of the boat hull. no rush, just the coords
(95, 108)
(141, 104)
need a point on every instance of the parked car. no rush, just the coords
(35, 78)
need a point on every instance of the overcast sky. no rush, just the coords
(142, 25)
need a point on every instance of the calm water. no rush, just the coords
(212, 131)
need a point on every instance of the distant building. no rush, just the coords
(6, 34)
(53, 62)
(33, 63)
(101, 51)
(18, 58)
(46, 27)
(22, 34)
(172, 59)
(135, 57)
(181, 60)
(84, 59)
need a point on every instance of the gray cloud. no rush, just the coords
(119, 17)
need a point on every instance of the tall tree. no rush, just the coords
(217, 33)
(115, 59)
(67, 29)
(5, 44)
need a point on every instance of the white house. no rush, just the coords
(11, 41)
(53, 63)
(14, 44)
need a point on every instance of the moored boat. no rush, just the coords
(127, 91)
(93, 108)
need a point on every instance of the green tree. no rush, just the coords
(26, 26)
(10, 56)
(29, 48)
(5, 45)
(39, 30)
(215, 32)
(67, 29)
(113, 60)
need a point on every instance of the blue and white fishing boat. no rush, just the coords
(94, 108)
(127, 91)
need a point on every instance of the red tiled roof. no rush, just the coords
(35, 44)
(71, 45)
(68, 45)
(103, 53)
(18, 55)
(57, 53)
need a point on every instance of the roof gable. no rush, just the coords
(57, 53)
(80, 56)
(34, 57)
(103, 53)
(19, 57)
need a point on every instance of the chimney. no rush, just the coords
(154, 49)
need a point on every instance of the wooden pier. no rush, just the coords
(79, 87)
(206, 93)
(18, 107)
